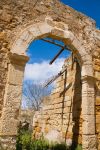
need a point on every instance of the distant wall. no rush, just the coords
(63, 111)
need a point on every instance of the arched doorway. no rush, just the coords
(18, 59)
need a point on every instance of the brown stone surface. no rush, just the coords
(51, 115)
(63, 113)
(23, 21)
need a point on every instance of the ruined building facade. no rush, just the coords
(61, 113)
(22, 22)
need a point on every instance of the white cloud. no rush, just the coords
(40, 72)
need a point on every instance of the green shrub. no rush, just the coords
(25, 142)
(60, 147)
(79, 147)
(39, 144)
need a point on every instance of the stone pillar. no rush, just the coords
(88, 114)
(12, 101)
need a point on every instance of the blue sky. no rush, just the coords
(38, 69)
(41, 52)
(89, 7)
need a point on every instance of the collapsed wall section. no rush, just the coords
(97, 89)
(62, 113)
(63, 110)
(96, 68)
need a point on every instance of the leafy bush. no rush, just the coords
(79, 147)
(40, 144)
(25, 142)
(60, 147)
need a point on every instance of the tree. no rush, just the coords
(33, 94)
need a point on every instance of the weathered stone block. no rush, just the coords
(13, 96)
(98, 101)
(57, 32)
(97, 119)
(88, 105)
(15, 74)
(89, 142)
(88, 126)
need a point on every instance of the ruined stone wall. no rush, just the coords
(15, 15)
(97, 74)
(3, 67)
(76, 30)
(96, 64)
(63, 111)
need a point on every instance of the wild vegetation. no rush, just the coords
(25, 142)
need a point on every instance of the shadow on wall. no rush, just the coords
(63, 95)
(75, 107)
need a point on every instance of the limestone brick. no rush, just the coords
(97, 119)
(98, 101)
(8, 142)
(88, 126)
(89, 105)
(15, 74)
(89, 142)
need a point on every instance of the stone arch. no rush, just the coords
(18, 59)
(49, 27)
(56, 30)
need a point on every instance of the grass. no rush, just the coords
(25, 142)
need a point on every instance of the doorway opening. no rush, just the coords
(42, 70)
(47, 57)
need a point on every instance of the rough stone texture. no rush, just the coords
(97, 88)
(26, 118)
(68, 106)
(62, 112)
(7, 143)
(23, 21)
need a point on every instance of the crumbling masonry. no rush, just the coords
(61, 112)
(22, 22)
